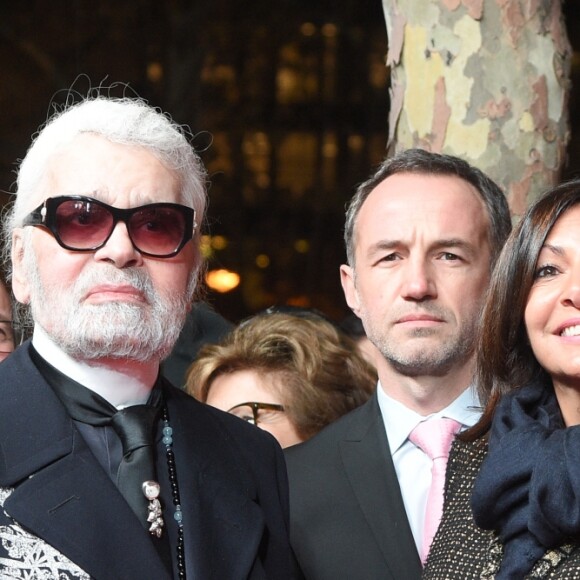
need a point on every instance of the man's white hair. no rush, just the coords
(126, 121)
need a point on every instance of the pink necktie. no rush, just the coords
(434, 437)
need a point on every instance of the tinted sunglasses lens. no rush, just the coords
(157, 230)
(82, 225)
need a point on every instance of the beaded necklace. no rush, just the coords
(177, 515)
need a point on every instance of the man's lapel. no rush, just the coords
(61, 494)
(223, 526)
(369, 467)
(73, 506)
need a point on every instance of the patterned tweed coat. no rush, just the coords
(461, 550)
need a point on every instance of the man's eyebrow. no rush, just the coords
(138, 198)
(387, 244)
(453, 243)
(382, 245)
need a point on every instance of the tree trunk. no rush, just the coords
(486, 80)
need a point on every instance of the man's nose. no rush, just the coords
(418, 280)
(119, 249)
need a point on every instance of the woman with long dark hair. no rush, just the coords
(512, 500)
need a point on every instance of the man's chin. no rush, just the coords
(120, 349)
(426, 362)
(434, 333)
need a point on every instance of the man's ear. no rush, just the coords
(347, 277)
(20, 282)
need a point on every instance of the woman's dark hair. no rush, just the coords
(505, 359)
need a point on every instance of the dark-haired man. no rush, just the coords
(422, 235)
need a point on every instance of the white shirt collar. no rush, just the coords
(117, 388)
(399, 420)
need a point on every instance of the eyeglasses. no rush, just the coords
(82, 224)
(11, 336)
(7, 339)
(255, 412)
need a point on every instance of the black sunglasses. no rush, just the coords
(82, 224)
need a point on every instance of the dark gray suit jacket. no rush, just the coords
(63, 516)
(347, 518)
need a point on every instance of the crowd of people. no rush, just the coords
(431, 435)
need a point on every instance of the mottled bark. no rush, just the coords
(486, 80)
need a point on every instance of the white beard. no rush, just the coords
(118, 330)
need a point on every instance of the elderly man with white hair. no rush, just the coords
(106, 470)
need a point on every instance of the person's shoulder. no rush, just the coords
(232, 428)
(467, 456)
(18, 371)
(319, 446)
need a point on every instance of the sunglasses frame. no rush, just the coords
(45, 216)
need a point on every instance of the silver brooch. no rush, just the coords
(151, 490)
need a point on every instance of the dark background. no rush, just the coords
(288, 102)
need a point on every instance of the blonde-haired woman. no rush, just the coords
(289, 375)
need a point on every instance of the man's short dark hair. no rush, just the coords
(424, 162)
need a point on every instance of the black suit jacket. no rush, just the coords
(59, 503)
(347, 518)
(203, 325)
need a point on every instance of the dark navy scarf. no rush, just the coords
(528, 488)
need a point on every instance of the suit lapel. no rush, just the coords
(223, 526)
(369, 467)
(61, 494)
(74, 507)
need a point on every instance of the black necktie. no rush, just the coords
(135, 426)
(136, 429)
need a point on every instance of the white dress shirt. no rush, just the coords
(412, 465)
(119, 389)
